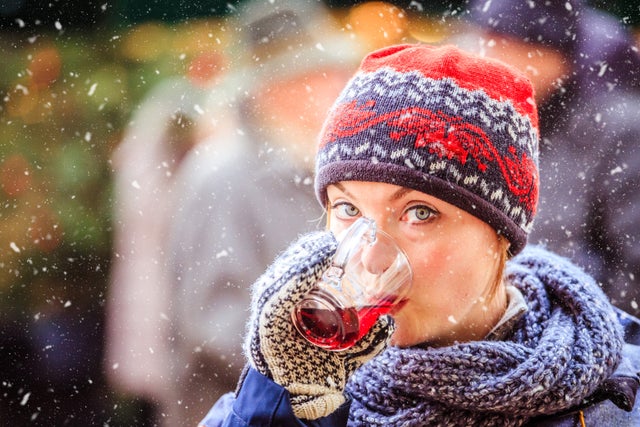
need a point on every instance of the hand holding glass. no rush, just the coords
(368, 277)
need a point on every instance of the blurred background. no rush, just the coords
(73, 76)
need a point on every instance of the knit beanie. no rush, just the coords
(441, 121)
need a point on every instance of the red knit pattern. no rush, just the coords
(447, 136)
(497, 80)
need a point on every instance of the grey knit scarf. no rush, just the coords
(566, 344)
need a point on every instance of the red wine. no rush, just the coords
(337, 329)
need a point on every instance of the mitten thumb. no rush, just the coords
(271, 339)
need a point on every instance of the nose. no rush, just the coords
(378, 256)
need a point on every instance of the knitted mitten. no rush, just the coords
(314, 377)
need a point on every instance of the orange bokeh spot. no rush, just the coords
(45, 67)
(379, 23)
(15, 177)
(205, 67)
(44, 231)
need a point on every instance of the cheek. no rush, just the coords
(450, 270)
(434, 255)
(432, 268)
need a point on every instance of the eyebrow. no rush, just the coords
(401, 192)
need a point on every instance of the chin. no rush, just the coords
(403, 343)
(410, 331)
(402, 339)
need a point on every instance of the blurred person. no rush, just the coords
(586, 70)
(137, 325)
(236, 189)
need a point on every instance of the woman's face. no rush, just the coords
(455, 259)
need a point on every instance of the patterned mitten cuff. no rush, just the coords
(314, 377)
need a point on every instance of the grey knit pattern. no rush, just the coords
(314, 377)
(565, 346)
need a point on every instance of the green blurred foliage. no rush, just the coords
(66, 98)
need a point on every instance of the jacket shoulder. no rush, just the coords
(263, 403)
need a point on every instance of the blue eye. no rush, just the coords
(419, 213)
(344, 210)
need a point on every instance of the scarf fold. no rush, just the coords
(566, 345)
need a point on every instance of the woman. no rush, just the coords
(439, 147)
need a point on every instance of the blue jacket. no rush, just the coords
(262, 403)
